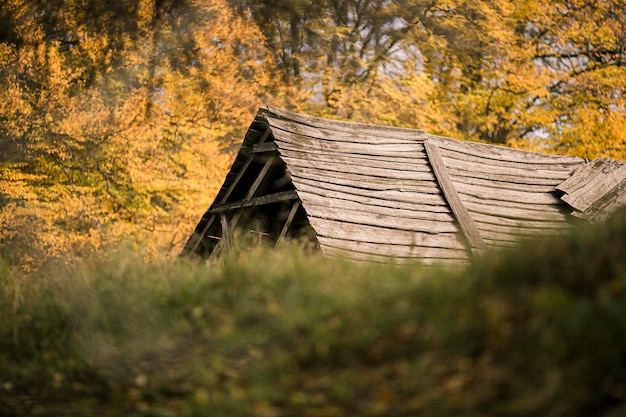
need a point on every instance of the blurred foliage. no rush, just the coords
(538, 330)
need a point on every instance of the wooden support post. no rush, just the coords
(468, 227)
(192, 245)
(227, 239)
(290, 217)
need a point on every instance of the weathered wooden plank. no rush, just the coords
(226, 240)
(504, 154)
(458, 173)
(513, 212)
(500, 194)
(456, 205)
(407, 158)
(378, 136)
(504, 170)
(374, 219)
(347, 147)
(375, 234)
(431, 202)
(339, 196)
(287, 225)
(348, 127)
(223, 196)
(253, 202)
(416, 165)
(331, 252)
(505, 185)
(544, 208)
(310, 199)
(605, 206)
(259, 148)
(487, 160)
(513, 238)
(592, 182)
(522, 231)
(523, 223)
(367, 182)
(292, 164)
(402, 251)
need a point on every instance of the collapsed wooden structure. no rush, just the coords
(378, 193)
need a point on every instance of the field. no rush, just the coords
(540, 330)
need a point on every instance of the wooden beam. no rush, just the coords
(226, 240)
(262, 147)
(254, 202)
(292, 214)
(193, 245)
(463, 217)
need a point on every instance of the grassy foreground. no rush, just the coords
(538, 331)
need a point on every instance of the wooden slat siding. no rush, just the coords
(405, 164)
(486, 159)
(532, 188)
(292, 164)
(592, 182)
(381, 220)
(513, 179)
(530, 172)
(253, 202)
(403, 251)
(368, 183)
(513, 196)
(526, 224)
(540, 208)
(342, 126)
(347, 147)
(375, 234)
(462, 216)
(331, 252)
(431, 202)
(405, 213)
(312, 147)
(504, 154)
(523, 231)
(321, 133)
(606, 205)
(514, 213)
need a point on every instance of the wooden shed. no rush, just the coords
(376, 193)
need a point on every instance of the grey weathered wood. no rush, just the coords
(531, 188)
(457, 173)
(487, 203)
(523, 231)
(226, 240)
(393, 250)
(369, 198)
(191, 246)
(504, 154)
(348, 127)
(331, 252)
(592, 182)
(550, 164)
(498, 194)
(508, 171)
(356, 169)
(259, 148)
(287, 225)
(402, 212)
(347, 147)
(368, 182)
(253, 202)
(403, 164)
(513, 212)
(329, 190)
(606, 205)
(462, 215)
(406, 158)
(523, 223)
(386, 221)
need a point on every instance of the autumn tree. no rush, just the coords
(114, 118)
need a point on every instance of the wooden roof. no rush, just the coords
(372, 192)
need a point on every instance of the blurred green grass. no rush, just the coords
(540, 330)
